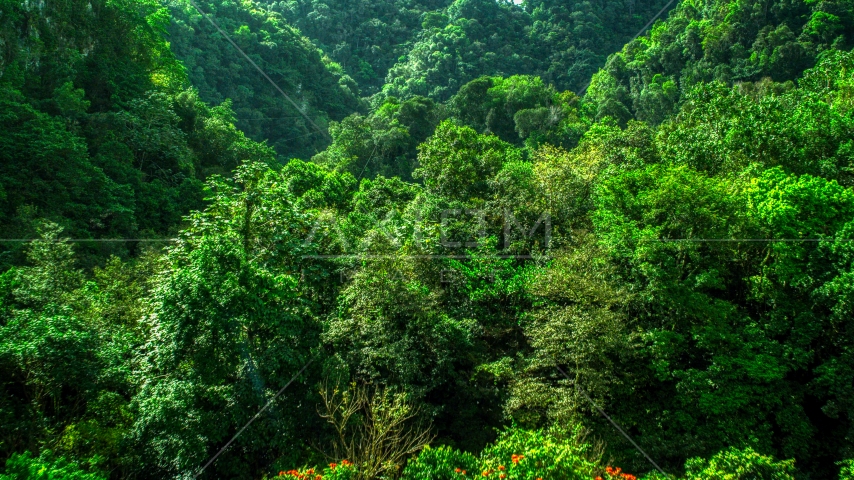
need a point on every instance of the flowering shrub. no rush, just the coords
(616, 473)
(517, 455)
(335, 471)
(559, 455)
(442, 463)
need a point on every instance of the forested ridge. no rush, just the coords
(446, 258)
(219, 73)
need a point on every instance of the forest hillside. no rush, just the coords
(427, 239)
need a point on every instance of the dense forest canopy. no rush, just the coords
(365, 37)
(101, 131)
(562, 42)
(317, 85)
(707, 41)
(468, 259)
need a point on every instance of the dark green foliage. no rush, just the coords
(76, 190)
(384, 142)
(734, 335)
(678, 241)
(104, 138)
(317, 187)
(520, 108)
(433, 47)
(563, 43)
(399, 333)
(66, 350)
(219, 72)
(482, 37)
(718, 40)
(365, 37)
(220, 348)
(457, 163)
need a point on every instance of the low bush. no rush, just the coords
(23, 466)
(517, 455)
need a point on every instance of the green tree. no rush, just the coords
(228, 330)
(457, 163)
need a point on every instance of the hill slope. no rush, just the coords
(219, 72)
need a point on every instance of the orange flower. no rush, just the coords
(333, 465)
(501, 467)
